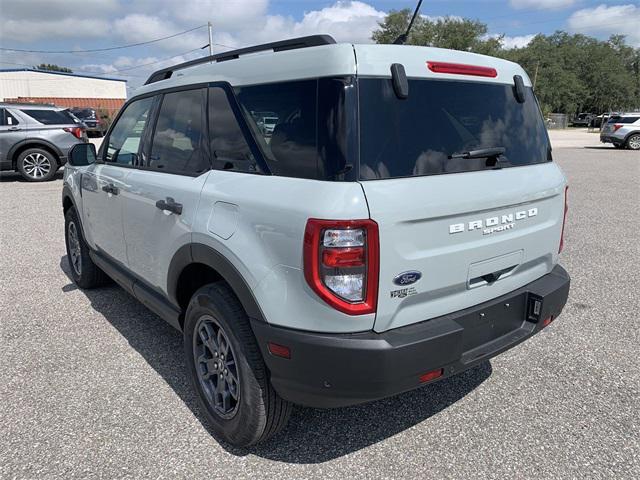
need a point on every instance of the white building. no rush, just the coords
(62, 89)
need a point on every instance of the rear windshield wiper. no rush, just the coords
(481, 153)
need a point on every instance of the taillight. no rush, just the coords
(341, 263)
(462, 69)
(564, 218)
(75, 131)
(617, 126)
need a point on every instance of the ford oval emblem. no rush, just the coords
(407, 278)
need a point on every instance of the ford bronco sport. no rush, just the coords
(401, 223)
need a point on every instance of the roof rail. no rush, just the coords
(291, 44)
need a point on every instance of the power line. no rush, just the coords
(94, 50)
(112, 72)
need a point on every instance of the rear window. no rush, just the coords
(418, 135)
(624, 119)
(51, 117)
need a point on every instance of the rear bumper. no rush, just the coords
(611, 139)
(334, 370)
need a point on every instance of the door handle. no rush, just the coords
(110, 188)
(170, 205)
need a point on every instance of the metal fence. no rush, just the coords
(557, 120)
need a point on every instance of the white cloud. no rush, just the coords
(347, 21)
(517, 41)
(32, 30)
(136, 27)
(541, 4)
(512, 42)
(55, 9)
(608, 20)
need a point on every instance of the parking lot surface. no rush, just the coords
(92, 384)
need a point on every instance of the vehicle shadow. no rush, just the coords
(312, 435)
(16, 177)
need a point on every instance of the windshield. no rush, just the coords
(430, 132)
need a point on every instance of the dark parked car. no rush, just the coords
(88, 116)
(35, 139)
(582, 119)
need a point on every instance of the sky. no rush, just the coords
(76, 25)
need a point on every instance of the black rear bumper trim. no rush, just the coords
(334, 370)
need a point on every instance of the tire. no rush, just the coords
(37, 165)
(216, 323)
(84, 272)
(633, 142)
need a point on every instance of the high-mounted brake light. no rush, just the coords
(75, 131)
(564, 218)
(341, 263)
(462, 69)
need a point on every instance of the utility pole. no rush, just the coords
(210, 38)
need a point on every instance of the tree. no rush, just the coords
(446, 32)
(575, 73)
(580, 73)
(53, 68)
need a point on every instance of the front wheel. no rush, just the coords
(84, 272)
(227, 371)
(633, 142)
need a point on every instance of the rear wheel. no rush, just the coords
(227, 371)
(37, 165)
(633, 142)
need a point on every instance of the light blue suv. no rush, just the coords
(401, 222)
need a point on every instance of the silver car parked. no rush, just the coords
(35, 139)
(623, 130)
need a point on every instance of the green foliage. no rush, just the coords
(53, 68)
(446, 32)
(573, 73)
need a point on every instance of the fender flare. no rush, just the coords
(33, 142)
(634, 132)
(67, 193)
(204, 254)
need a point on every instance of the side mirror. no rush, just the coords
(82, 154)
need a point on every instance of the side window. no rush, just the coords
(284, 118)
(229, 148)
(124, 141)
(179, 139)
(6, 119)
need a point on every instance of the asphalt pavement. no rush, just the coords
(92, 384)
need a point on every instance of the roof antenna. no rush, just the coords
(401, 40)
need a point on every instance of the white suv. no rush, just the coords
(401, 223)
(622, 130)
